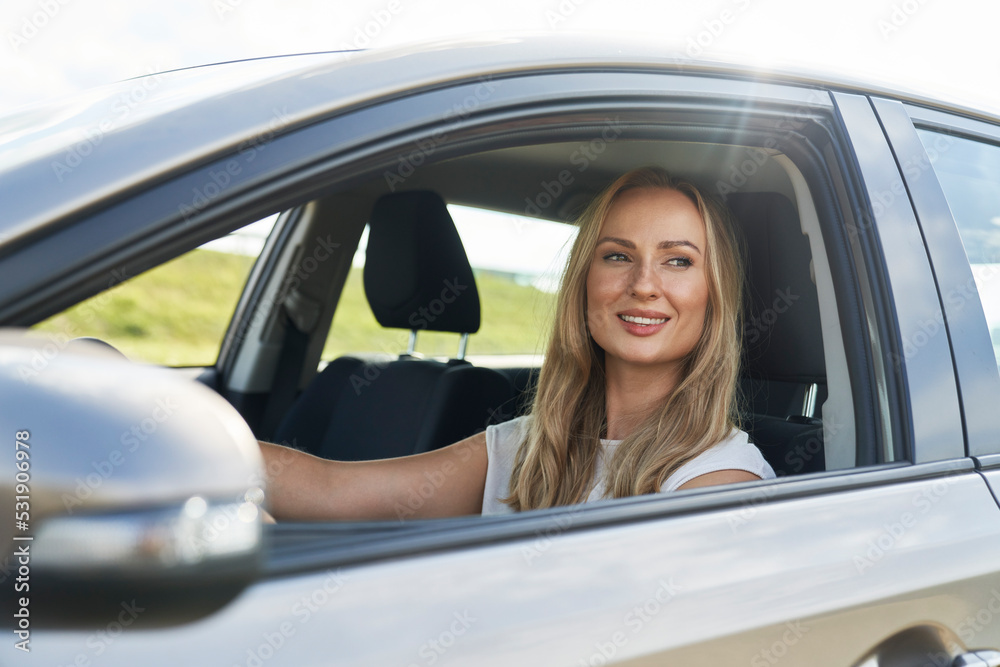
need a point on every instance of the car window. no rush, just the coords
(175, 314)
(969, 173)
(517, 262)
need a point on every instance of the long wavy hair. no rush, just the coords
(556, 462)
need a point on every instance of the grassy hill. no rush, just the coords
(177, 314)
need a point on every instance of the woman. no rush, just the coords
(636, 394)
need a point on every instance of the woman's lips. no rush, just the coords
(642, 323)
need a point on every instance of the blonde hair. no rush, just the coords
(555, 464)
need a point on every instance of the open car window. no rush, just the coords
(797, 400)
(175, 314)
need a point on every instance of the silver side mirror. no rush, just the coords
(129, 488)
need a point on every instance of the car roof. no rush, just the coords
(140, 129)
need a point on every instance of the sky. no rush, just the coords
(943, 49)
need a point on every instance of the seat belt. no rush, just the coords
(300, 315)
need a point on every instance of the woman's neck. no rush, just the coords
(632, 394)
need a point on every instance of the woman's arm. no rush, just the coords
(445, 482)
(719, 477)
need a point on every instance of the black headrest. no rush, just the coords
(783, 337)
(417, 275)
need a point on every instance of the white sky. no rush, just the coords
(53, 47)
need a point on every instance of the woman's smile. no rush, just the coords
(643, 322)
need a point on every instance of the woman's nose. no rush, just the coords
(643, 284)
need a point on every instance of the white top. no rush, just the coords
(503, 440)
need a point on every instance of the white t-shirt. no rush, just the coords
(503, 440)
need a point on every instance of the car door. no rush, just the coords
(881, 559)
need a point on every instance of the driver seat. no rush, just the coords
(417, 277)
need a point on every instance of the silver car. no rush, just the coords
(872, 226)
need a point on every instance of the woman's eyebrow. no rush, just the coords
(666, 245)
(662, 245)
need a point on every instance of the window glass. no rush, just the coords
(175, 314)
(969, 172)
(517, 262)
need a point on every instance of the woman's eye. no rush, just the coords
(679, 261)
(616, 257)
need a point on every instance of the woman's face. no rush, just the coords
(647, 287)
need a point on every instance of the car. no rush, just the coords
(870, 218)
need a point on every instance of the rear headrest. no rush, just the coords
(417, 275)
(783, 337)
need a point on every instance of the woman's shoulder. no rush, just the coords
(507, 434)
(511, 425)
(734, 453)
(502, 442)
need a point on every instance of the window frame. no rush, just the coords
(965, 321)
(930, 399)
(293, 170)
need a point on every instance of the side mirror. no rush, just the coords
(126, 487)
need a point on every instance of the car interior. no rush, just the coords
(796, 394)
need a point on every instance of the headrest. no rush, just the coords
(417, 275)
(782, 335)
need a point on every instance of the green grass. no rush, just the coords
(177, 314)
(514, 321)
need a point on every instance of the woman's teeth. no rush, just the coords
(644, 321)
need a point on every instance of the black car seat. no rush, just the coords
(416, 276)
(784, 367)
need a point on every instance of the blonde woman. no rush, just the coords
(636, 394)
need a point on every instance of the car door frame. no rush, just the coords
(964, 318)
(485, 558)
